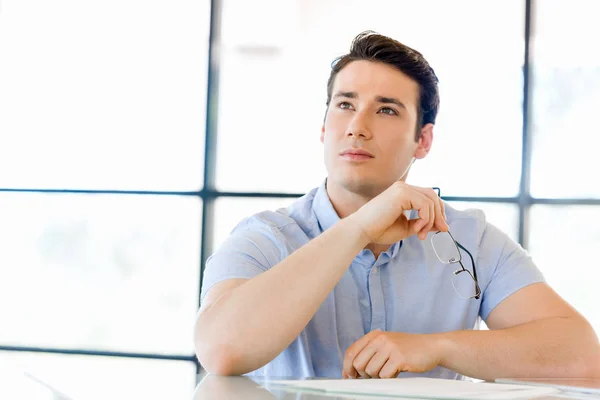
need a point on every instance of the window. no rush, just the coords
(112, 272)
(273, 90)
(566, 93)
(564, 244)
(102, 132)
(103, 95)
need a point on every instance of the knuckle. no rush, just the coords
(380, 339)
(387, 374)
(396, 356)
(390, 347)
(359, 366)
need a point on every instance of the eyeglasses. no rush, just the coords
(447, 251)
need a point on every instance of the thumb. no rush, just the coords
(415, 226)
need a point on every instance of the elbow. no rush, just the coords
(217, 359)
(593, 364)
(218, 352)
(585, 359)
(585, 366)
(590, 364)
(214, 356)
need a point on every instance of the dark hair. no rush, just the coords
(371, 46)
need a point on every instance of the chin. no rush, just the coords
(363, 187)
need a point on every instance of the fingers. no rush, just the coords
(439, 221)
(366, 363)
(381, 219)
(389, 370)
(349, 371)
(376, 364)
(424, 208)
(363, 359)
(386, 354)
(431, 211)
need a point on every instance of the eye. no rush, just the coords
(344, 105)
(388, 111)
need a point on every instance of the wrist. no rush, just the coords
(352, 226)
(444, 344)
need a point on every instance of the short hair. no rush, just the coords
(371, 46)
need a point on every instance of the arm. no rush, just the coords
(236, 318)
(238, 315)
(533, 333)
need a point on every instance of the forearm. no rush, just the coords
(260, 318)
(553, 347)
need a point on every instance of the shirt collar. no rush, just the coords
(327, 217)
(323, 209)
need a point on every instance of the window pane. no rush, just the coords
(504, 216)
(101, 95)
(231, 211)
(87, 377)
(269, 124)
(564, 245)
(566, 94)
(114, 272)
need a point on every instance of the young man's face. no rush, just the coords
(373, 109)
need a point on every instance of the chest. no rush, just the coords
(403, 294)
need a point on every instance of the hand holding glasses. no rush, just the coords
(447, 251)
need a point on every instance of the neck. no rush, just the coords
(346, 203)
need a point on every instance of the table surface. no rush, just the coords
(241, 387)
(208, 387)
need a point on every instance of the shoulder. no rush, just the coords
(282, 224)
(493, 246)
(469, 222)
(472, 225)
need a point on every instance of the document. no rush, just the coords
(579, 385)
(429, 388)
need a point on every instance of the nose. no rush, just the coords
(359, 126)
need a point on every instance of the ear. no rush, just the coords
(425, 141)
(323, 134)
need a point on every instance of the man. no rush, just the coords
(349, 282)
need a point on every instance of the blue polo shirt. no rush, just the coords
(407, 289)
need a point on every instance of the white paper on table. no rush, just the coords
(430, 388)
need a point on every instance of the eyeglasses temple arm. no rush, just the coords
(472, 261)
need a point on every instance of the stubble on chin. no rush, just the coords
(365, 188)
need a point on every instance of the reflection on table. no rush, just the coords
(214, 387)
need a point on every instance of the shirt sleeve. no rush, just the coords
(512, 268)
(253, 247)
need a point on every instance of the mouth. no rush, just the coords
(356, 155)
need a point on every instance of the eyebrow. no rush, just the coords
(379, 99)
